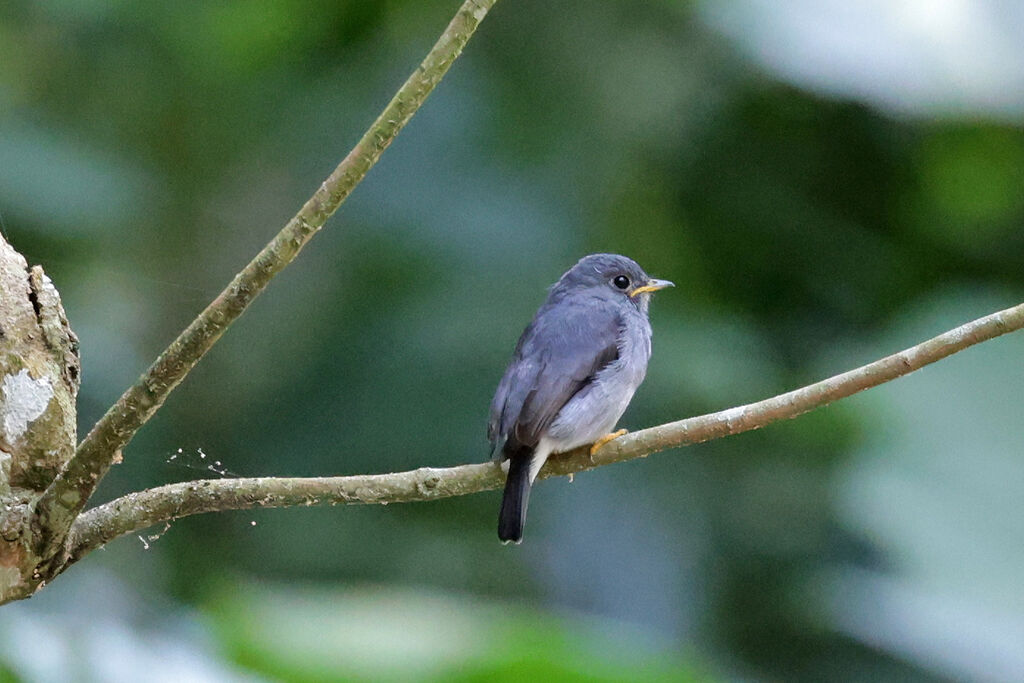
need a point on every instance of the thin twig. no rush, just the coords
(67, 495)
(140, 510)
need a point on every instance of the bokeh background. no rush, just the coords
(827, 182)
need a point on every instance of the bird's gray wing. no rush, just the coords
(557, 356)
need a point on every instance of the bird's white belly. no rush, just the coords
(595, 410)
(584, 419)
(589, 416)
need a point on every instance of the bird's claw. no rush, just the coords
(605, 439)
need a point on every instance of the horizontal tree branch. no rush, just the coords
(68, 494)
(137, 511)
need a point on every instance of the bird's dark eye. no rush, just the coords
(621, 281)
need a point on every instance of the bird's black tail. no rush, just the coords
(512, 517)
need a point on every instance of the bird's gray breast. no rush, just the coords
(595, 409)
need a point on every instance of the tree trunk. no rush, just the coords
(39, 378)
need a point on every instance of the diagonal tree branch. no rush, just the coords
(139, 510)
(67, 495)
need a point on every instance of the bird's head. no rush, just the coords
(610, 277)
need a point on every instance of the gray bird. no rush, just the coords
(572, 375)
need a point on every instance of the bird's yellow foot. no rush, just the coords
(605, 439)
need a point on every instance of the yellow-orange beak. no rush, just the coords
(653, 285)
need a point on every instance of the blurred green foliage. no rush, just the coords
(309, 634)
(147, 150)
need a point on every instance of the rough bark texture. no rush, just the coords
(39, 377)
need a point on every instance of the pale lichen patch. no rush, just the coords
(22, 400)
(479, 12)
(733, 413)
(10, 580)
(5, 472)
